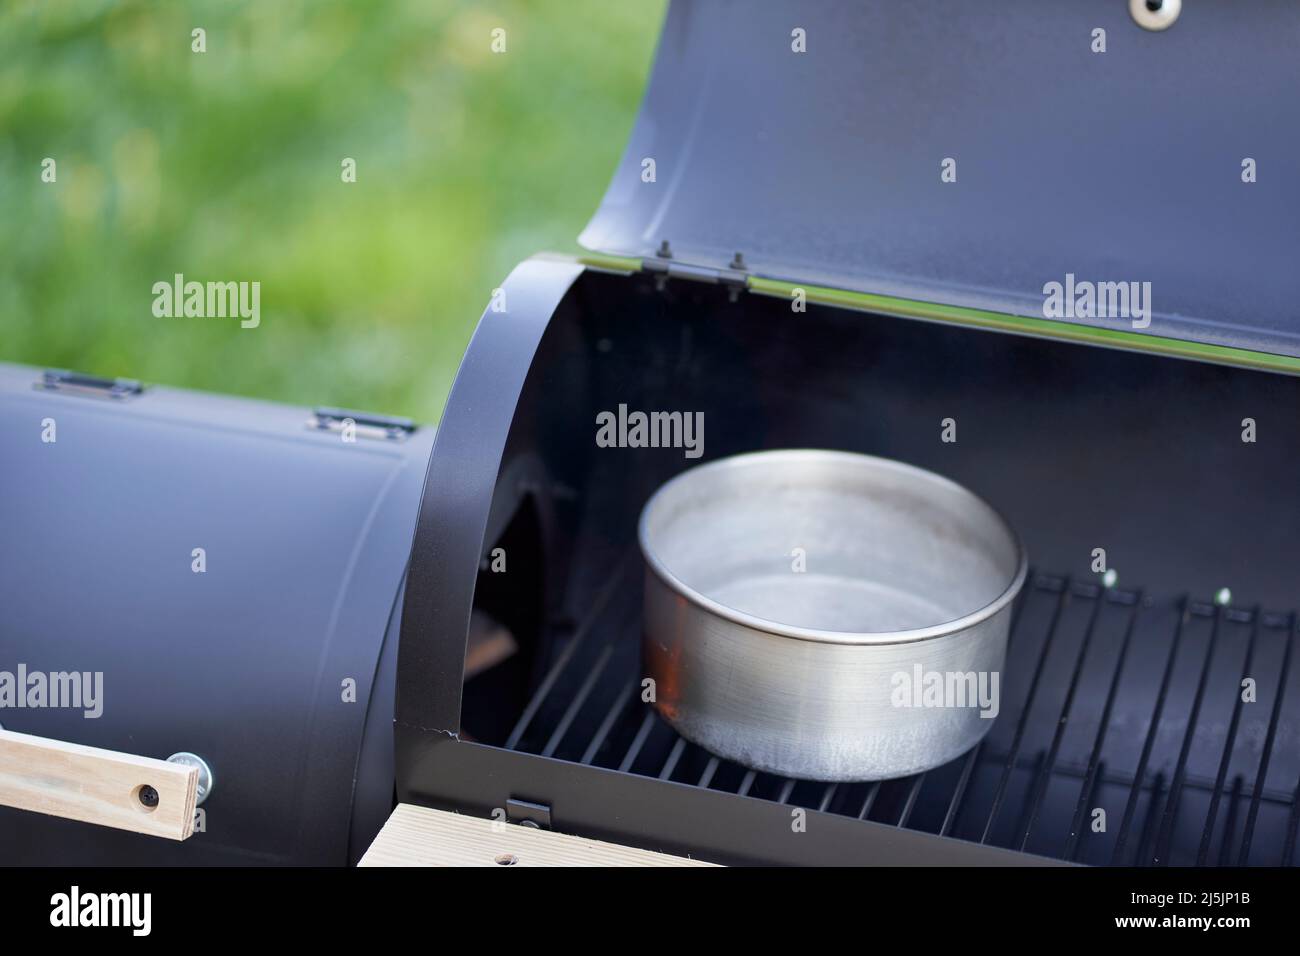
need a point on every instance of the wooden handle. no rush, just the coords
(97, 786)
(419, 836)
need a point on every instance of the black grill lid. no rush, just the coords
(824, 167)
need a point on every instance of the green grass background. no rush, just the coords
(225, 165)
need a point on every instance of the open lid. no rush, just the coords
(826, 167)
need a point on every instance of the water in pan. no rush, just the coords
(832, 602)
(830, 541)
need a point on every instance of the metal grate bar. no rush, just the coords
(579, 699)
(1149, 825)
(673, 756)
(911, 800)
(1180, 771)
(954, 805)
(747, 782)
(827, 797)
(1131, 807)
(972, 758)
(870, 801)
(1088, 789)
(1126, 779)
(1262, 772)
(1041, 779)
(634, 750)
(1288, 847)
(615, 711)
(1203, 853)
(706, 778)
(1036, 767)
(548, 682)
(786, 790)
(1230, 821)
(1089, 795)
(1021, 724)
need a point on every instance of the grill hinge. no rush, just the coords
(735, 277)
(365, 424)
(90, 386)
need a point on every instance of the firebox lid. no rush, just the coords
(968, 155)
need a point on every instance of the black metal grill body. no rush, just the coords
(305, 540)
(1126, 700)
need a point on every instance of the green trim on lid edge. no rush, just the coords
(1043, 328)
(999, 321)
(607, 263)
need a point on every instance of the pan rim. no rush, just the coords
(816, 635)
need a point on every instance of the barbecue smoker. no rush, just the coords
(847, 249)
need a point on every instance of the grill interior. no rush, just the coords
(1121, 699)
(1111, 699)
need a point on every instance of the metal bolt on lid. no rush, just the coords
(206, 779)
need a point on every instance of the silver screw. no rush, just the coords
(206, 780)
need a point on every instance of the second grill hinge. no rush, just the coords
(735, 277)
(362, 424)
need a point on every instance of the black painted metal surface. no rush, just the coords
(306, 540)
(824, 167)
(457, 510)
(1080, 447)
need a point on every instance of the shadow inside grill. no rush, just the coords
(1133, 729)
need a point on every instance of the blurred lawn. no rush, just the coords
(225, 165)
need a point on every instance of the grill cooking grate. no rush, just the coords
(1112, 703)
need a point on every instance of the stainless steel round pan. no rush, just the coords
(826, 615)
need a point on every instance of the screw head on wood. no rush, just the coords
(1155, 15)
